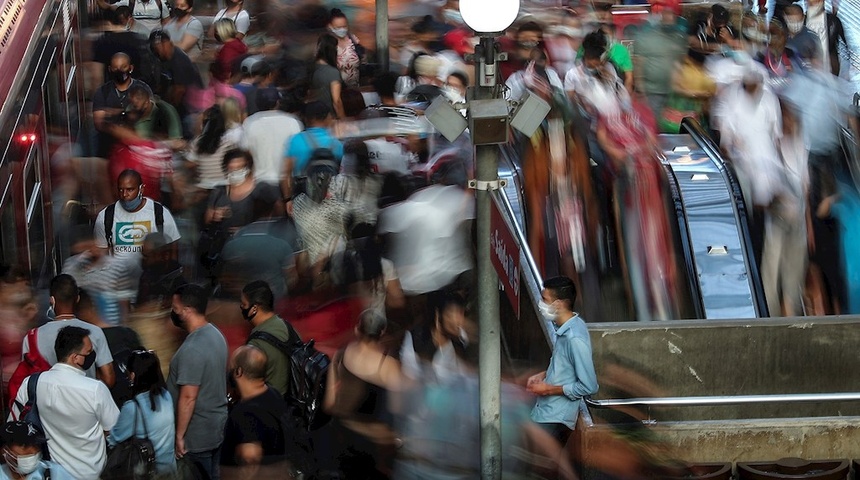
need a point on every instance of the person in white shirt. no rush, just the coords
(148, 15)
(134, 216)
(76, 411)
(265, 135)
(235, 11)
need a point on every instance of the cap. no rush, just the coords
(427, 66)
(21, 433)
(251, 65)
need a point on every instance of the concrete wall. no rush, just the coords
(749, 357)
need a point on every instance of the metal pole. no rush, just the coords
(382, 53)
(489, 354)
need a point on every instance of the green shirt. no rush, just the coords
(278, 364)
(617, 54)
(162, 120)
(657, 50)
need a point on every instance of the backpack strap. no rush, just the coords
(110, 211)
(281, 345)
(31, 388)
(159, 216)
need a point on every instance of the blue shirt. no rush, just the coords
(300, 148)
(159, 426)
(572, 368)
(57, 472)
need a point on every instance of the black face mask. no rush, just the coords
(245, 313)
(89, 360)
(179, 13)
(120, 77)
(177, 320)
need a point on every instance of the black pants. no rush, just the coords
(558, 431)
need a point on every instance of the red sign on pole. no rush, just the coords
(506, 257)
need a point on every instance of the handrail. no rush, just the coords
(720, 400)
(701, 137)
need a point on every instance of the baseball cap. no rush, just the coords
(251, 65)
(21, 433)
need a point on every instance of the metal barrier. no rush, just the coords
(720, 400)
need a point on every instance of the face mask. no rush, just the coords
(452, 16)
(815, 9)
(246, 313)
(339, 32)
(132, 205)
(120, 77)
(89, 360)
(591, 71)
(452, 94)
(528, 45)
(24, 464)
(547, 311)
(753, 34)
(794, 26)
(177, 320)
(237, 177)
(179, 13)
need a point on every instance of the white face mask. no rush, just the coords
(339, 32)
(548, 311)
(237, 177)
(26, 464)
(815, 9)
(794, 26)
(452, 16)
(452, 94)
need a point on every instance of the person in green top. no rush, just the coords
(155, 118)
(257, 305)
(617, 54)
(658, 46)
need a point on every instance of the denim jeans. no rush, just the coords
(209, 460)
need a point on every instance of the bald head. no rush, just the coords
(120, 61)
(250, 362)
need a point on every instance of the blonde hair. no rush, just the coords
(232, 111)
(225, 29)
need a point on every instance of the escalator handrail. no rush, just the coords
(686, 242)
(706, 143)
(529, 272)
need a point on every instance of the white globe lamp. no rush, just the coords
(489, 16)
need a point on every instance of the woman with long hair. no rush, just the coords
(326, 82)
(152, 407)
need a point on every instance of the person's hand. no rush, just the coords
(539, 388)
(179, 447)
(537, 378)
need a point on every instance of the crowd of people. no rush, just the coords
(234, 178)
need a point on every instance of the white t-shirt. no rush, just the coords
(147, 13)
(75, 412)
(130, 228)
(192, 27)
(598, 96)
(517, 87)
(241, 19)
(265, 135)
(47, 335)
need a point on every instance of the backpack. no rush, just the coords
(308, 371)
(110, 211)
(33, 362)
(29, 412)
(317, 175)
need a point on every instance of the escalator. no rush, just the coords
(710, 245)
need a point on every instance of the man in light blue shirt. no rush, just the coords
(300, 148)
(570, 375)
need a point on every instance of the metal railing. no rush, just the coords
(721, 400)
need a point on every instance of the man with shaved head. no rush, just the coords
(260, 435)
(112, 97)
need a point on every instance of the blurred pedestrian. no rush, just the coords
(266, 135)
(231, 51)
(349, 49)
(235, 11)
(326, 83)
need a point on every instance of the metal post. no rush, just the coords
(489, 355)
(382, 53)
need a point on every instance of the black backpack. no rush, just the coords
(110, 212)
(317, 175)
(308, 372)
